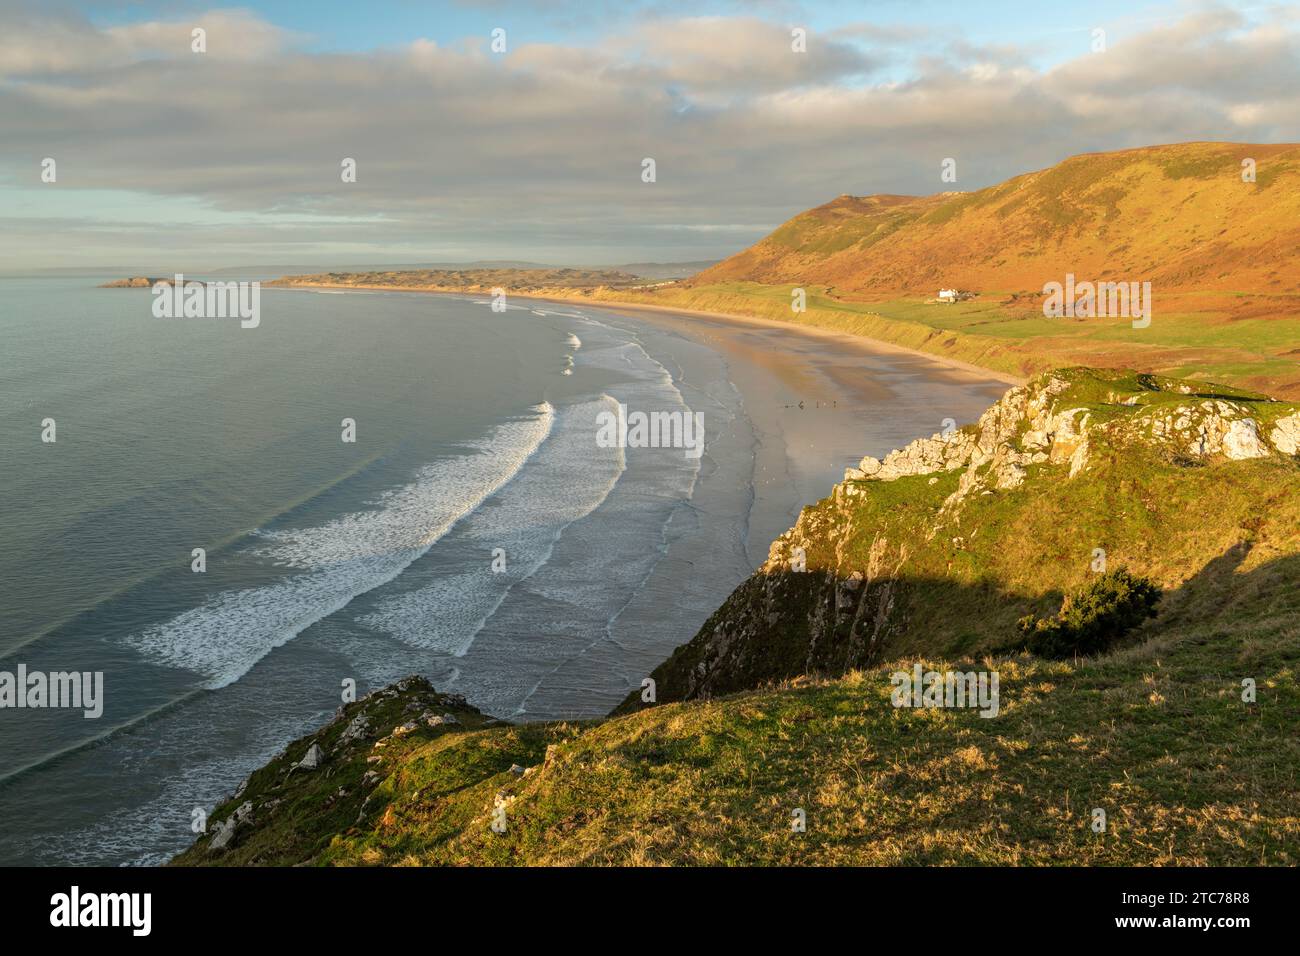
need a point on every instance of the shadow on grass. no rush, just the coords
(784, 625)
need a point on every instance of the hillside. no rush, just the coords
(1221, 256)
(1178, 216)
(784, 697)
(942, 547)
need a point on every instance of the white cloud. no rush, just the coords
(69, 46)
(539, 152)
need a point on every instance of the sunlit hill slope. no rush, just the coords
(1219, 249)
(1180, 217)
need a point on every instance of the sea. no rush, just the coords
(239, 527)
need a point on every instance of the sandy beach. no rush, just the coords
(844, 339)
(871, 345)
(786, 409)
(817, 400)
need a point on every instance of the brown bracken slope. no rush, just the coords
(1180, 216)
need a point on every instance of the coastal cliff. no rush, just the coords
(951, 553)
(945, 544)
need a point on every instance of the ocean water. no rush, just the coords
(329, 561)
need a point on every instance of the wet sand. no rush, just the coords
(705, 319)
(785, 412)
(848, 341)
(818, 401)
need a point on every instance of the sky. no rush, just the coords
(169, 158)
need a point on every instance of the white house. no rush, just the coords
(947, 295)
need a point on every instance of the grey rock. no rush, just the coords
(358, 728)
(312, 759)
(1286, 434)
(225, 831)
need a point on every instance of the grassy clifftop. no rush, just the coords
(946, 544)
(783, 700)
(1157, 736)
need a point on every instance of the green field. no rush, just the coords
(1191, 335)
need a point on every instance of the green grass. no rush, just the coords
(1010, 335)
(717, 782)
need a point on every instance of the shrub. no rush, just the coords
(1094, 618)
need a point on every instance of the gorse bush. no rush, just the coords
(1094, 618)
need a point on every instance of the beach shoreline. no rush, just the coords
(815, 331)
(614, 594)
(787, 409)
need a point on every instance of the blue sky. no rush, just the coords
(232, 157)
(1052, 31)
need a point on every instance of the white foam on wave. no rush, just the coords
(566, 480)
(341, 559)
(568, 606)
(658, 479)
(631, 357)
